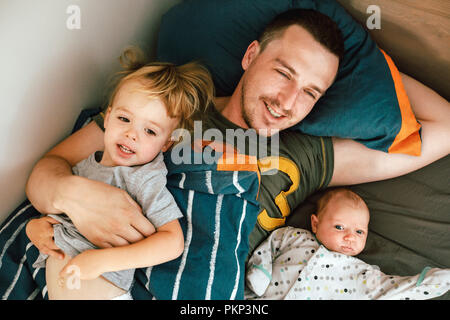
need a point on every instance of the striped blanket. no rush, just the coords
(220, 210)
(219, 204)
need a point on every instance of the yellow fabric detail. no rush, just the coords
(289, 167)
(269, 223)
(282, 204)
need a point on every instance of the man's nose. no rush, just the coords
(288, 96)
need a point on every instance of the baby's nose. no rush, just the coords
(349, 236)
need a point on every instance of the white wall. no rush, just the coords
(49, 73)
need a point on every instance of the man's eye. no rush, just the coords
(312, 95)
(150, 131)
(339, 227)
(283, 74)
(123, 119)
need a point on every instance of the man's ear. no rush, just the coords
(314, 222)
(251, 53)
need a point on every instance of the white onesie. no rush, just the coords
(291, 264)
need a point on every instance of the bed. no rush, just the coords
(410, 215)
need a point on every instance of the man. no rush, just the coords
(286, 72)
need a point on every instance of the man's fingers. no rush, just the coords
(51, 220)
(104, 244)
(52, 245)
(142, 226)
(58, 254)
(118, 241)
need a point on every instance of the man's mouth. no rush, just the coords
(272, 112)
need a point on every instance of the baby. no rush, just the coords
(342, 222)
(293, 263)
(147, 105)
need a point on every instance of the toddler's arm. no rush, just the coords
(166, 244)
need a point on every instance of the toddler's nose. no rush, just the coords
(131, 134)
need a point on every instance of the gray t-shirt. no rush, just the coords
(146, 184)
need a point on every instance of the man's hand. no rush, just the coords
(107, 216)
(40, 232)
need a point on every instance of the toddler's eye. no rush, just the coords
(339, 227)
(150, 131)
(123, 119)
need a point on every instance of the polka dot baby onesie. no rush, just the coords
(291, 264)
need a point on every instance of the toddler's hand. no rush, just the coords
(40, 232)
(85, 266)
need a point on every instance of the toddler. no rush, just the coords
(146, 106)
(293, 263)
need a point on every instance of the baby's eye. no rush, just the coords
(339, 227)
(123, 119)
(150, 131)
(360, 232)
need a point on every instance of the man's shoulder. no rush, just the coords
(298, 143)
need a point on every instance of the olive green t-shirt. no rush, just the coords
(293, 165)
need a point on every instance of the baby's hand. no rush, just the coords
(84, 266)
(40, 232)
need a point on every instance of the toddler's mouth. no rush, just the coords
(125, 149)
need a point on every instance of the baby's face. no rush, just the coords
(136, 128)
(341, 227)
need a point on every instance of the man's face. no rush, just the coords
(282, 83)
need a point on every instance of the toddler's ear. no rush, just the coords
(107, 113)
(167, 145)
(314, 222)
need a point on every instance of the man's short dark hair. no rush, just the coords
(323, 29)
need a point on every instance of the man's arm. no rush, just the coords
(52, 175)
(105, 215)
(354, 163)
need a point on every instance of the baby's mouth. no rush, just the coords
(347, 249)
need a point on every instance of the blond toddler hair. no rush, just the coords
(185, 90)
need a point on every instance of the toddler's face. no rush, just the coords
(136, 128)
(341, 227)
